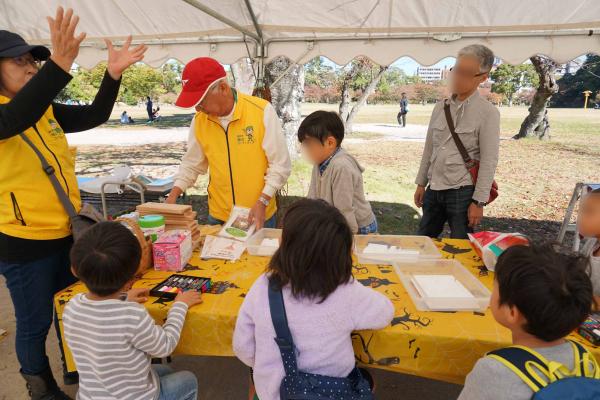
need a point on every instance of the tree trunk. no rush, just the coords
(536, 123)
(347, 114)
(346, 93)
(363, 98)
(243, 75)
(286, 95)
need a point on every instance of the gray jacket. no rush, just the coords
(341, 185)
(477, 123)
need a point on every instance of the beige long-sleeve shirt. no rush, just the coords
(341, 185)
(477, 122)
(194, 161)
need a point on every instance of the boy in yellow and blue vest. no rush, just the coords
(541, 296)
(237, 139)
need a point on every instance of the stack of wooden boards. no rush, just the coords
(177, 216)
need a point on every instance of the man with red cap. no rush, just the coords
(237, 139)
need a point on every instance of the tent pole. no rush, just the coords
(223, 19)
(254, 20)
(256, 36)
(261, 46)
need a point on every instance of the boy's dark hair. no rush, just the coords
(320, 125)
(551, 290)
(106, 257)
(315, 254)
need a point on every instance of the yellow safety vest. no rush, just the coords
(29, 206)
(236, 160)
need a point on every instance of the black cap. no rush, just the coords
(13, 45)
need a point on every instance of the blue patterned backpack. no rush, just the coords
(298, 385)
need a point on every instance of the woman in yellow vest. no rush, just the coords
(35, 237)
(237, 139)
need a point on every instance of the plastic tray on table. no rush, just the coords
(476, 297)
(409, 248)
(254, 243)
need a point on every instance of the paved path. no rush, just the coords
(411, 133)
(150, 135)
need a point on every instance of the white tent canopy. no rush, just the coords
(383, 30)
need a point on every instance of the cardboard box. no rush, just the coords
(172, 250)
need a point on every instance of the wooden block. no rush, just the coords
(178, 219)
(170, 227)
(160, 208)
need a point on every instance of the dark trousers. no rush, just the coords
(32, 286)
(401, 118)
(450, 205)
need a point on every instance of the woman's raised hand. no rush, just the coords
(119, 60)
(65, 45)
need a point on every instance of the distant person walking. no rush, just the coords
(149, 110)
(403, 110)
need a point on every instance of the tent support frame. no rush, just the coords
(257, 36)
(222, 18)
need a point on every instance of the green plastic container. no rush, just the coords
(152, 225)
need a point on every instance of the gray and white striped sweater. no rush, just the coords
(112, 342)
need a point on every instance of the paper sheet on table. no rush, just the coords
(119, 174)
(266, 242)
(238, 225)
(222, 248)
(376, 248)
(440, 286)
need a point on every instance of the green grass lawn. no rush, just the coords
(536, 178)
(569, 126)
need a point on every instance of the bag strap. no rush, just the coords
(585, 363)
(525, 362)
(517, 359)
(51, 173)
(283, 335)
(459, 144)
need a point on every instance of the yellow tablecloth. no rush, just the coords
(442, 346)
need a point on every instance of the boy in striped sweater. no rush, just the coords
(111, 336)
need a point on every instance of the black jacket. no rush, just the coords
(24, 110)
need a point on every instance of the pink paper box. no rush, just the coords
(172, 250)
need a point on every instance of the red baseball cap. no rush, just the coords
(198, 75)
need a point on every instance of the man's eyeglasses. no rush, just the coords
(465, 74)
(22, 61)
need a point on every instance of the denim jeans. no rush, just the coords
(372, 228)
(270, 223)
(176, 385)
(450, 205)
(32, 286)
